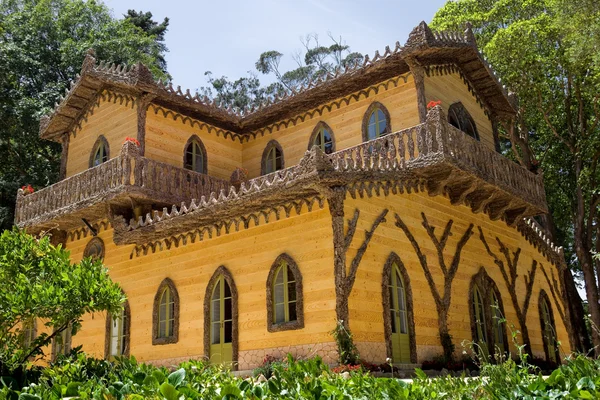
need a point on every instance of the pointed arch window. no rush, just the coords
(284, 295)
(94, 249)
(194, 155)
(117, 333)
(61, 344)
(322, 137)
(548, 328)
(272, 159)
(376, 122)
(398, 318)
(29, 332)
(100, 152)
(459, 117)
(166, 314)
(487, 315)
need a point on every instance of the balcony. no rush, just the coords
(122, 182)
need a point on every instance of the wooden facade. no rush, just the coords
(387, 234)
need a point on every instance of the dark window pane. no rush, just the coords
(292, 311)
(228, 309)
(393, 319)
(228, 332)
(227, 289)
(292, 291)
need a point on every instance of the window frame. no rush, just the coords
(174, 337)
(321, 125)
(388, 269)
(367, 116)
(93, 241)
(273, 144)
(66, 343)
(127, 329)
(543, 298)
(29, 331)
(298, 323)
(194, 139)
(460, 112)
(101, 141)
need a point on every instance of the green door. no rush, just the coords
(480, 322)
(399, 318)
(221, 323)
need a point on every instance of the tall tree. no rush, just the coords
(548, 52)
(144, 21)
(42, 47)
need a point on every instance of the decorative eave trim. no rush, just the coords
(536, 236)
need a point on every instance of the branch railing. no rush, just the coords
(161, 180)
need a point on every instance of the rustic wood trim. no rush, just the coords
(92, 242)
(299, 322)
(222, 270)
(487, 287)
(64, 156)
(317, 128)
(365, 122)
(544, 297)
(174, 338)
(127, 328)
(143, 102)
(196, 138)
(418, 73)
(385, 293)
(272, 143)
(101, 140)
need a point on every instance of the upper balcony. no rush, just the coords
(432, 156)
(124, 182)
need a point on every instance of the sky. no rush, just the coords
(226, 37)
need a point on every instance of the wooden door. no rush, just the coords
(399, 318)
(221, 323)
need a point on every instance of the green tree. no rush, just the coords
(548, 52)
(40, 283)
(42, 47)
(144, 21)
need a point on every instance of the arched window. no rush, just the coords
(221, 319)
(94, 249)
(284, 295)
(272, 159)
(376, 122)
(61, 344)
(100, 152)
(487, 315)
(548, 328)
(117, 333)
(29, 332)
(459, 117)
(166, 314)
(322, 137)
(194, 155)
(398, 320)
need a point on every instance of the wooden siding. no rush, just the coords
(248, 254)
(366, 312)
(114, 120)
(345, 121)
(451, 88)
(166, 139)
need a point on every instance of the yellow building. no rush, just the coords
(237, 235)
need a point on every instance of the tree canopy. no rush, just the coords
(548, 53)
(45, 286)
(42, 47)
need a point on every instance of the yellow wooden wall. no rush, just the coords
(366, 312)
(110, 118)
(166, 139)
(248, 254)
(346, 123)
(451, 88)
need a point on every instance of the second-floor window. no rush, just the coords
(272, 158)
(459, 117)
(100, 152)
(194, 157)
(166, 314)
(376, 122)
(322, 137)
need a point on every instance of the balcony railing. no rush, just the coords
(129, 174)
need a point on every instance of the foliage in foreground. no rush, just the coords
(41, 283)
(310, 379)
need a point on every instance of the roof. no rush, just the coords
(423, 45)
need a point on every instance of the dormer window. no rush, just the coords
(459, 117)
(100, 152)
(194, 157)
(322, 137)
(376, 122)
(272, 159)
